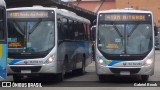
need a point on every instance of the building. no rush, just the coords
(94, 5)
(97, 5)
(152, 5)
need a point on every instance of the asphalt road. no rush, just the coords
(90, 81)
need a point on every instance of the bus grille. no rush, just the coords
(33, 69)
(131, 70)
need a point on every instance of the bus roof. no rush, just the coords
(2, 3)
(126, 10)
(59, 11)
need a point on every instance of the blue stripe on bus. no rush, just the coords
(110, 62)
(14, 61)
(3, 61)
(2, 72)
(113, 62)
(4, 56)
(85, 46)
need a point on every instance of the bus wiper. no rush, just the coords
(134, 28)
(35, 26)
(25, 53)
(20, 30)
(117, 31)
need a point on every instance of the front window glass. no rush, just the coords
(30, 35)
(125, 38)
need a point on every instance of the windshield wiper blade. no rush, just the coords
(132, 30)
(35, 26)
(20, 30)
(117, 31)
(25, 53)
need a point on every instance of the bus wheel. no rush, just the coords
(101, 78)
(17, 78)
(80, 71)
(144, 78)
(59, 77)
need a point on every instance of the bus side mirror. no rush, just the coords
(58, 19)
(94, 22)
(93, 33)
(155, 31)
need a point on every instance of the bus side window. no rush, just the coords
(87, 32)
(1, 30)
(1, 25)
(77, 31)
(60, 30)
(81, 31)
(70, 30)
(65, 28)
(74, 30)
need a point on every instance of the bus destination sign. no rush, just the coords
(125, 17)
(29, 14)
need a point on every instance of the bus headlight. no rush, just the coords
(100, 61)
(149, 61)
(50, 59)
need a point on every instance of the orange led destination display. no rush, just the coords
(29, 14)
(15, 44)
(125, 17)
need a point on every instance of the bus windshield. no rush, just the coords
(35, 35)
(125, 38)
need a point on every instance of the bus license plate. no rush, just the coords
(124, 73)
(25, 71)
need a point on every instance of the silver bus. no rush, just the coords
(125, 43)
(47, 41)
(3, 41)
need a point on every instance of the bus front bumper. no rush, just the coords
(31, 69)
(107, 70)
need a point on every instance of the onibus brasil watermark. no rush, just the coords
(14, 84)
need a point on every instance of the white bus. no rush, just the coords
(47, 41)
(125, 43)
(3, 41)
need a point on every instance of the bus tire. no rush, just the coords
(80, 71)
(17, 78)
(144, 78)
(101, 78)
(59, 77)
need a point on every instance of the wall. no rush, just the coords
(152, 5)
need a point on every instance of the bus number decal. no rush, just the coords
(112, 46)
